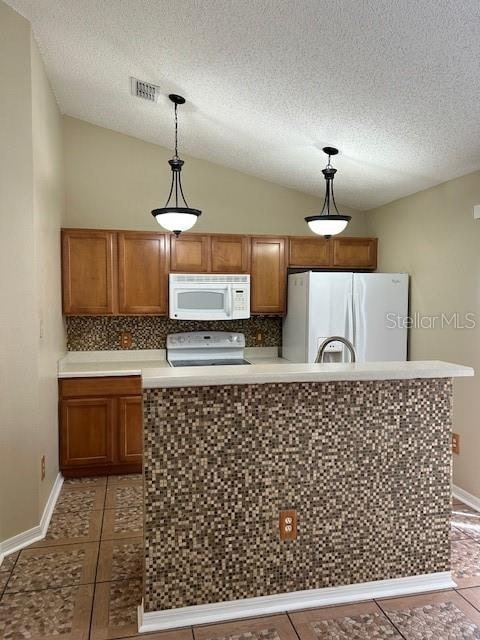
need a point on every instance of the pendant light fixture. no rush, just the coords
(327, 223)
(176, 218)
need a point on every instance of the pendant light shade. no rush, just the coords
(329, 222)
(328, 225)
(176, 216)
(176, 219)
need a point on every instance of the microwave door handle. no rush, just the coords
(229, 300)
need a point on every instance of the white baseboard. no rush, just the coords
(467, 498)
(37, 533)
(265, 605)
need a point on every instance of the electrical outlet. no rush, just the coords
(42, 465)
(259, 338)
(288, 525)
(125, 339)
(455, 443)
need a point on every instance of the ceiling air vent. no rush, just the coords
(145, 90)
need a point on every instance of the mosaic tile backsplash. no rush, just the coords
(102, 333)
(366, 465)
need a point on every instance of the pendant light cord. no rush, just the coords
(176, 131)
(176, 183)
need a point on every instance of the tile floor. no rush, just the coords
(83, 582)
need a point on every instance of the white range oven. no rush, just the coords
(209, 296)
(205, 348)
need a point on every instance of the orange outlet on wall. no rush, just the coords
(455, 443)
(288, 525)
(125, 339)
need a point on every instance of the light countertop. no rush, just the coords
(261, 373)
(86, 364)
(103, 368)
(266, 367)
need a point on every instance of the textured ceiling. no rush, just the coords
(395, 84)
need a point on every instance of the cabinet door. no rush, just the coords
(130, 429)
(88, 272)
(269, 274)
(308, 252)
(358, 253)
(100, 386)
(86, 432)
(142, 273)
(190, 253)
(230, 254)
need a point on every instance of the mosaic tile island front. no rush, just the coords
(365, 464)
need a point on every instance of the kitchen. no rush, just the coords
(174, 404)
(221, 433)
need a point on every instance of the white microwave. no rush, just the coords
(205, 296)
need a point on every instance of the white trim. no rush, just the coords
(468, 498)
(264, 605)
(38, 532)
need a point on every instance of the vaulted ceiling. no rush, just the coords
(395, 84)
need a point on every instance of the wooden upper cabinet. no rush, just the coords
(355, 253)
(89, 272)
(190, 253)
(142, 273)
(230, 254)
(308, 252)
(126, 272)
(268, 275)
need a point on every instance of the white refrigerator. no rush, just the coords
(369, 309)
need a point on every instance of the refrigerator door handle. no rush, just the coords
(360, 319)
(354, 324)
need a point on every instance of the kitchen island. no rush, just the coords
(361, 453)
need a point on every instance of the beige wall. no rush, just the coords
(49, 206)
(18, 406)
(432, 235)
(30, 201)
(114, 181)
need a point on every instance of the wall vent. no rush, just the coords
(145, 90)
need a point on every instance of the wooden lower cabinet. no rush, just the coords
(87, 432)
(130, 431)
(101, 426)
